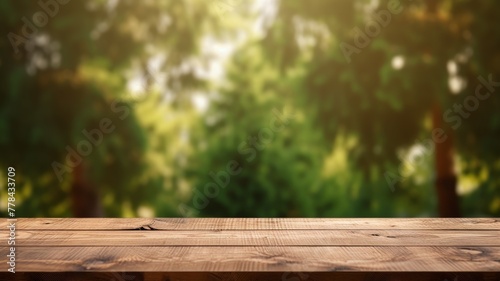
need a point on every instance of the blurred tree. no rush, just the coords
(63, 65)
(394, 75)
(258, 129)
(97, 113)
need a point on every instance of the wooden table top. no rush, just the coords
(256, 245)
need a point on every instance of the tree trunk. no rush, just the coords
(446, 179)
(85, 198)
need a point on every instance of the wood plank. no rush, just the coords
(259, 238)
(320, 276)
(250, 276)
(255, 224)
(73, 276)
(263, 259)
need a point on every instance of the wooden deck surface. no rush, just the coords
(256, 245)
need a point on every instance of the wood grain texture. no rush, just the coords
(258, 259)
(251, 276)
(255, 224)
(242, 245)
(318, 238)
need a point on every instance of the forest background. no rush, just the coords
(239, 108)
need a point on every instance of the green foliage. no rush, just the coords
(69, 78)
(258, 126)
(342, 123)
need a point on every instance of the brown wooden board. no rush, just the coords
(245, 245)
(254, 224)
(251, 276)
